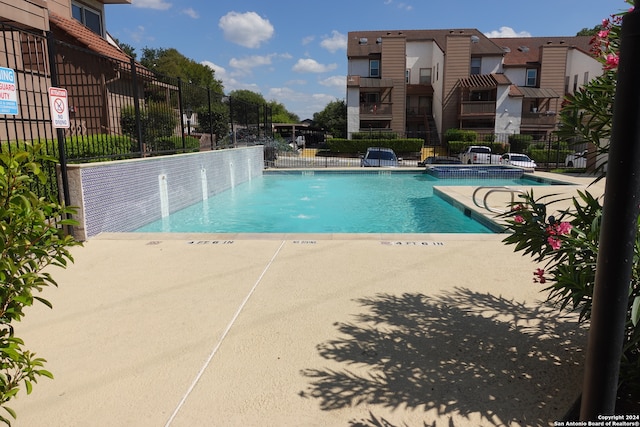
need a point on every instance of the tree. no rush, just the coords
(32, 237)
(590, 31)
(279, 113)
(172, 63)
(333, 119)
(126, 48)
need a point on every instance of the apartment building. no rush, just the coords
(419, 83)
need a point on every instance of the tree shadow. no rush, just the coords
(460, 353)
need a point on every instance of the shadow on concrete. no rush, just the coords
(458, 354)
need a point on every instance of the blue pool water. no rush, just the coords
(330, 203)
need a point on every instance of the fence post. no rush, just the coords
(62, 151)
(136, 108)
(181, 112)
(210, 116)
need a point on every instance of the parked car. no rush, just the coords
(478, 154)
(519, 160)
(440, 160)
(576, 160)
(379, 157)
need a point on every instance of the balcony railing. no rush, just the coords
(544, 118)
(375, 109)
(474, 108)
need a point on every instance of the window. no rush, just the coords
(425, 76)
(374, 68)
(575, 83)
(532, 77)
(475, 65)
(407, 76)
(91, 18)
(566, 84)
(586, 78)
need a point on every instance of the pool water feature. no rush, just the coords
(311, 202)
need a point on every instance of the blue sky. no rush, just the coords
(294, 52)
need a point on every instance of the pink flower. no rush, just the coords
(603, 34)
(563, 227)
(539, 276)
(612, 61)
(518, 219)
(554, 242)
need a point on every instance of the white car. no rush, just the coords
(576, 160)
(519, 160)
(379, 157)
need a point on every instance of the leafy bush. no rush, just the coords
(374, 135)
(173, 144)
(567, 246)
(31, 238)
(520, 143)
(460, 135)
(548, 156)
(156, 121)
(408, 145)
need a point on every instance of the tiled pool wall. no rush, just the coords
(122, 196)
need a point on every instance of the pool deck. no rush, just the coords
(302, 330)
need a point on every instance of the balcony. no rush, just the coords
(477, 108)
(376, 111)
(542, 119)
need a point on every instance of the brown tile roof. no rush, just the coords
(484, 46)
(520, 51)
(85, 37)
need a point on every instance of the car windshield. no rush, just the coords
(382, 155)
(517, 158)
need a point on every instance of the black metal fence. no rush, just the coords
(117, 109)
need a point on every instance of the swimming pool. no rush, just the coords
(313, 202)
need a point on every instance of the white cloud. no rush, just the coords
(301, 103)
(335, 81)
(400, 5)
(334, 43)
(249, 62)
(228, 80)
(312, 66)
(246, 29)
(151, 4)
(507, 32)
(191, 13)
(307, 40)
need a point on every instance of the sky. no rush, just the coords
(294, 52)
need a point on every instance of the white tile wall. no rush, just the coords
(124, 195)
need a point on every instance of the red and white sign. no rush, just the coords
(59, 106)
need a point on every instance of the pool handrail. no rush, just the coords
(491, 190)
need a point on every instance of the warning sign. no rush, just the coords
(59, 105)
(8, 92)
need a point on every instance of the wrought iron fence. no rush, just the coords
(117, 109)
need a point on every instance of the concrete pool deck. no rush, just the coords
(302, 330)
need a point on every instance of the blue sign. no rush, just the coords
(8, 92)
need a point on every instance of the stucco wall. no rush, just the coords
(123, 196)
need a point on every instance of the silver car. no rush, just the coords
(379, 157)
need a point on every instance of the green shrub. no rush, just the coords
(407, 145)
(156, 121)
(460, 135)
(173, 144)
(32, 239)
(374, 135)
(520, 143)
(548, 156)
